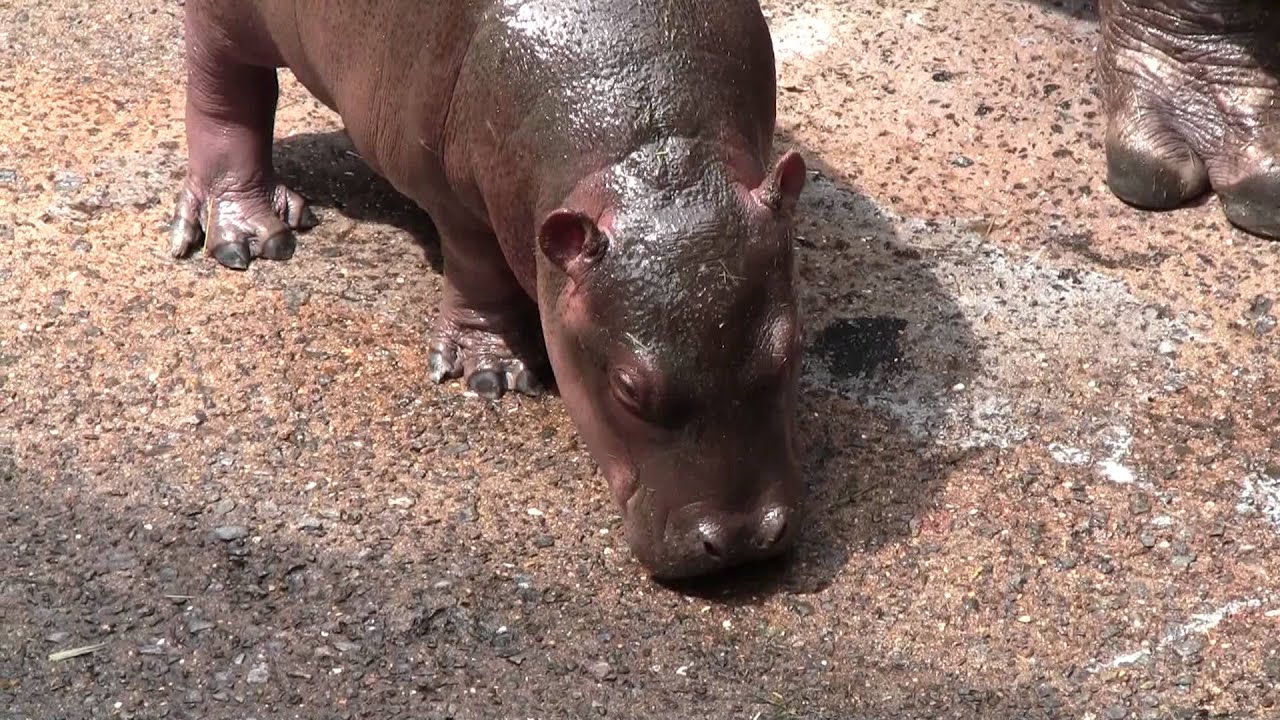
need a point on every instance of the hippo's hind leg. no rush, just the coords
(487, 330)
(231, 195)
(1192, 90)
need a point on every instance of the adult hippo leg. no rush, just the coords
(1192, 93)
(231, 195)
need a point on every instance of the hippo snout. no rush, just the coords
(724, 538)
(700, 540)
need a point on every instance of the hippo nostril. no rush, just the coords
(711, 543)
(726, 539)
(777, 533)
(773, 527)
(710, 549)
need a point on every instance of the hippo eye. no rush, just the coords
(626, 388)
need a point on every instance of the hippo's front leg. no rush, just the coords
(487, 331)
(231, 195)
(1192, 93)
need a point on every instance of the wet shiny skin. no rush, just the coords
(601, 166)
(685, 338)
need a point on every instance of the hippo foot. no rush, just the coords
(1193, 103)
(239, 223)
(480, 349)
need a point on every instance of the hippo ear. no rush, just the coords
(571, 241)
(781, 190)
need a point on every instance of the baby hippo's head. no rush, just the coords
(669, 310)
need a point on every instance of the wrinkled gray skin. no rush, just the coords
(600, 165)
(1192, 91)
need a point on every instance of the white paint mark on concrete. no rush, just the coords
(1068, 455)
(1118, 440)
(1116, 473)
(1196, 625)
(804, 34)
(1129, 658)
(914, 18)
(1115, 442)
(1261, 494)
(1201, 624)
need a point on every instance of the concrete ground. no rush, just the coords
(1041, 428)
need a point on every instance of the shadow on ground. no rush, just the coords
(1080, 9)
(880, 325)
(867, 296)
(276, 618)
(326, 169)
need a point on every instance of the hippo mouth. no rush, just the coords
(645, 525)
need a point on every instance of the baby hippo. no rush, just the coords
(600, 176)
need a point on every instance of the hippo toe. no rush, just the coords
(489, 360)
(1192, 92)
(237, 226)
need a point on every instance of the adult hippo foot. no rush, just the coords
(486, 349)
(1192, 93)
(238, 222)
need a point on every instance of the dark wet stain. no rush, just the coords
(856, 347)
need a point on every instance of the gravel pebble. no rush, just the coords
(227, 533)
(456, 449)
(1271, 667)
(296, 296)
(258, 674)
